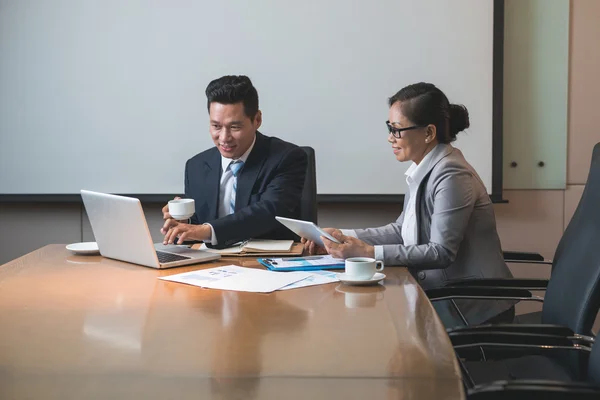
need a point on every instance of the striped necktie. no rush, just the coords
(235, 167)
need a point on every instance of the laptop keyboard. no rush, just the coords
(164, 258)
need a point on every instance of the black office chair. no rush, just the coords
(570, 306)
(525, 257)
(573, 291)
(308, 202)
(559, 387)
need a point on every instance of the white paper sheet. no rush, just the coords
(315, 278)
(233, 277)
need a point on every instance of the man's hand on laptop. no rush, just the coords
(174, 229)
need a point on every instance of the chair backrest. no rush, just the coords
(573, 294)
(308, 202)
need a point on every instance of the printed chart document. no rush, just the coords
(315, 278)
(233, 277)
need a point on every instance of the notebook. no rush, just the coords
(254, 247)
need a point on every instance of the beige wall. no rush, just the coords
(584, 88)
(584, 98)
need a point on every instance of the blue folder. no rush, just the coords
(279, 264)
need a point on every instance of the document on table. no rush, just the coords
(315, 278)
(233, 277)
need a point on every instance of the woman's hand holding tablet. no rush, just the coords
(306, 229)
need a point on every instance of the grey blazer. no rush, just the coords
(457, 236)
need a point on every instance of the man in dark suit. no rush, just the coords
(242, 183)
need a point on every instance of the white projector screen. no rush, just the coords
(108, 95)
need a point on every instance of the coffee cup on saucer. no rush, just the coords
(362, 268)
(181, 209)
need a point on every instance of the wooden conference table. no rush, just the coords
(86, 327)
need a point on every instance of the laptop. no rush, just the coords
(121, 231)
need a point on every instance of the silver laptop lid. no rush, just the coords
(120, 228)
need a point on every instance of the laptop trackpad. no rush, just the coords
(184, 250)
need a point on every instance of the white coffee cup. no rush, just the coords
(182, 208)
(362, 268)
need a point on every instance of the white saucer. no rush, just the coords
(84, 248)
(378, 277)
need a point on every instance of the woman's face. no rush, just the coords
(413, 144)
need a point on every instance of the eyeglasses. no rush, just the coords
(397, 132)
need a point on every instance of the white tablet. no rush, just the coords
(306, 229)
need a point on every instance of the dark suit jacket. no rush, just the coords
(270, 184)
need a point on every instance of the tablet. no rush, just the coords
(306, 229)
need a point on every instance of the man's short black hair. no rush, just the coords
(232, 89)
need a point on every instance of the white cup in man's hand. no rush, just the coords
(182, 208)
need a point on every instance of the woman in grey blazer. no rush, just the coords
(447, 229)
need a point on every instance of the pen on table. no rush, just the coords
(305, 258)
